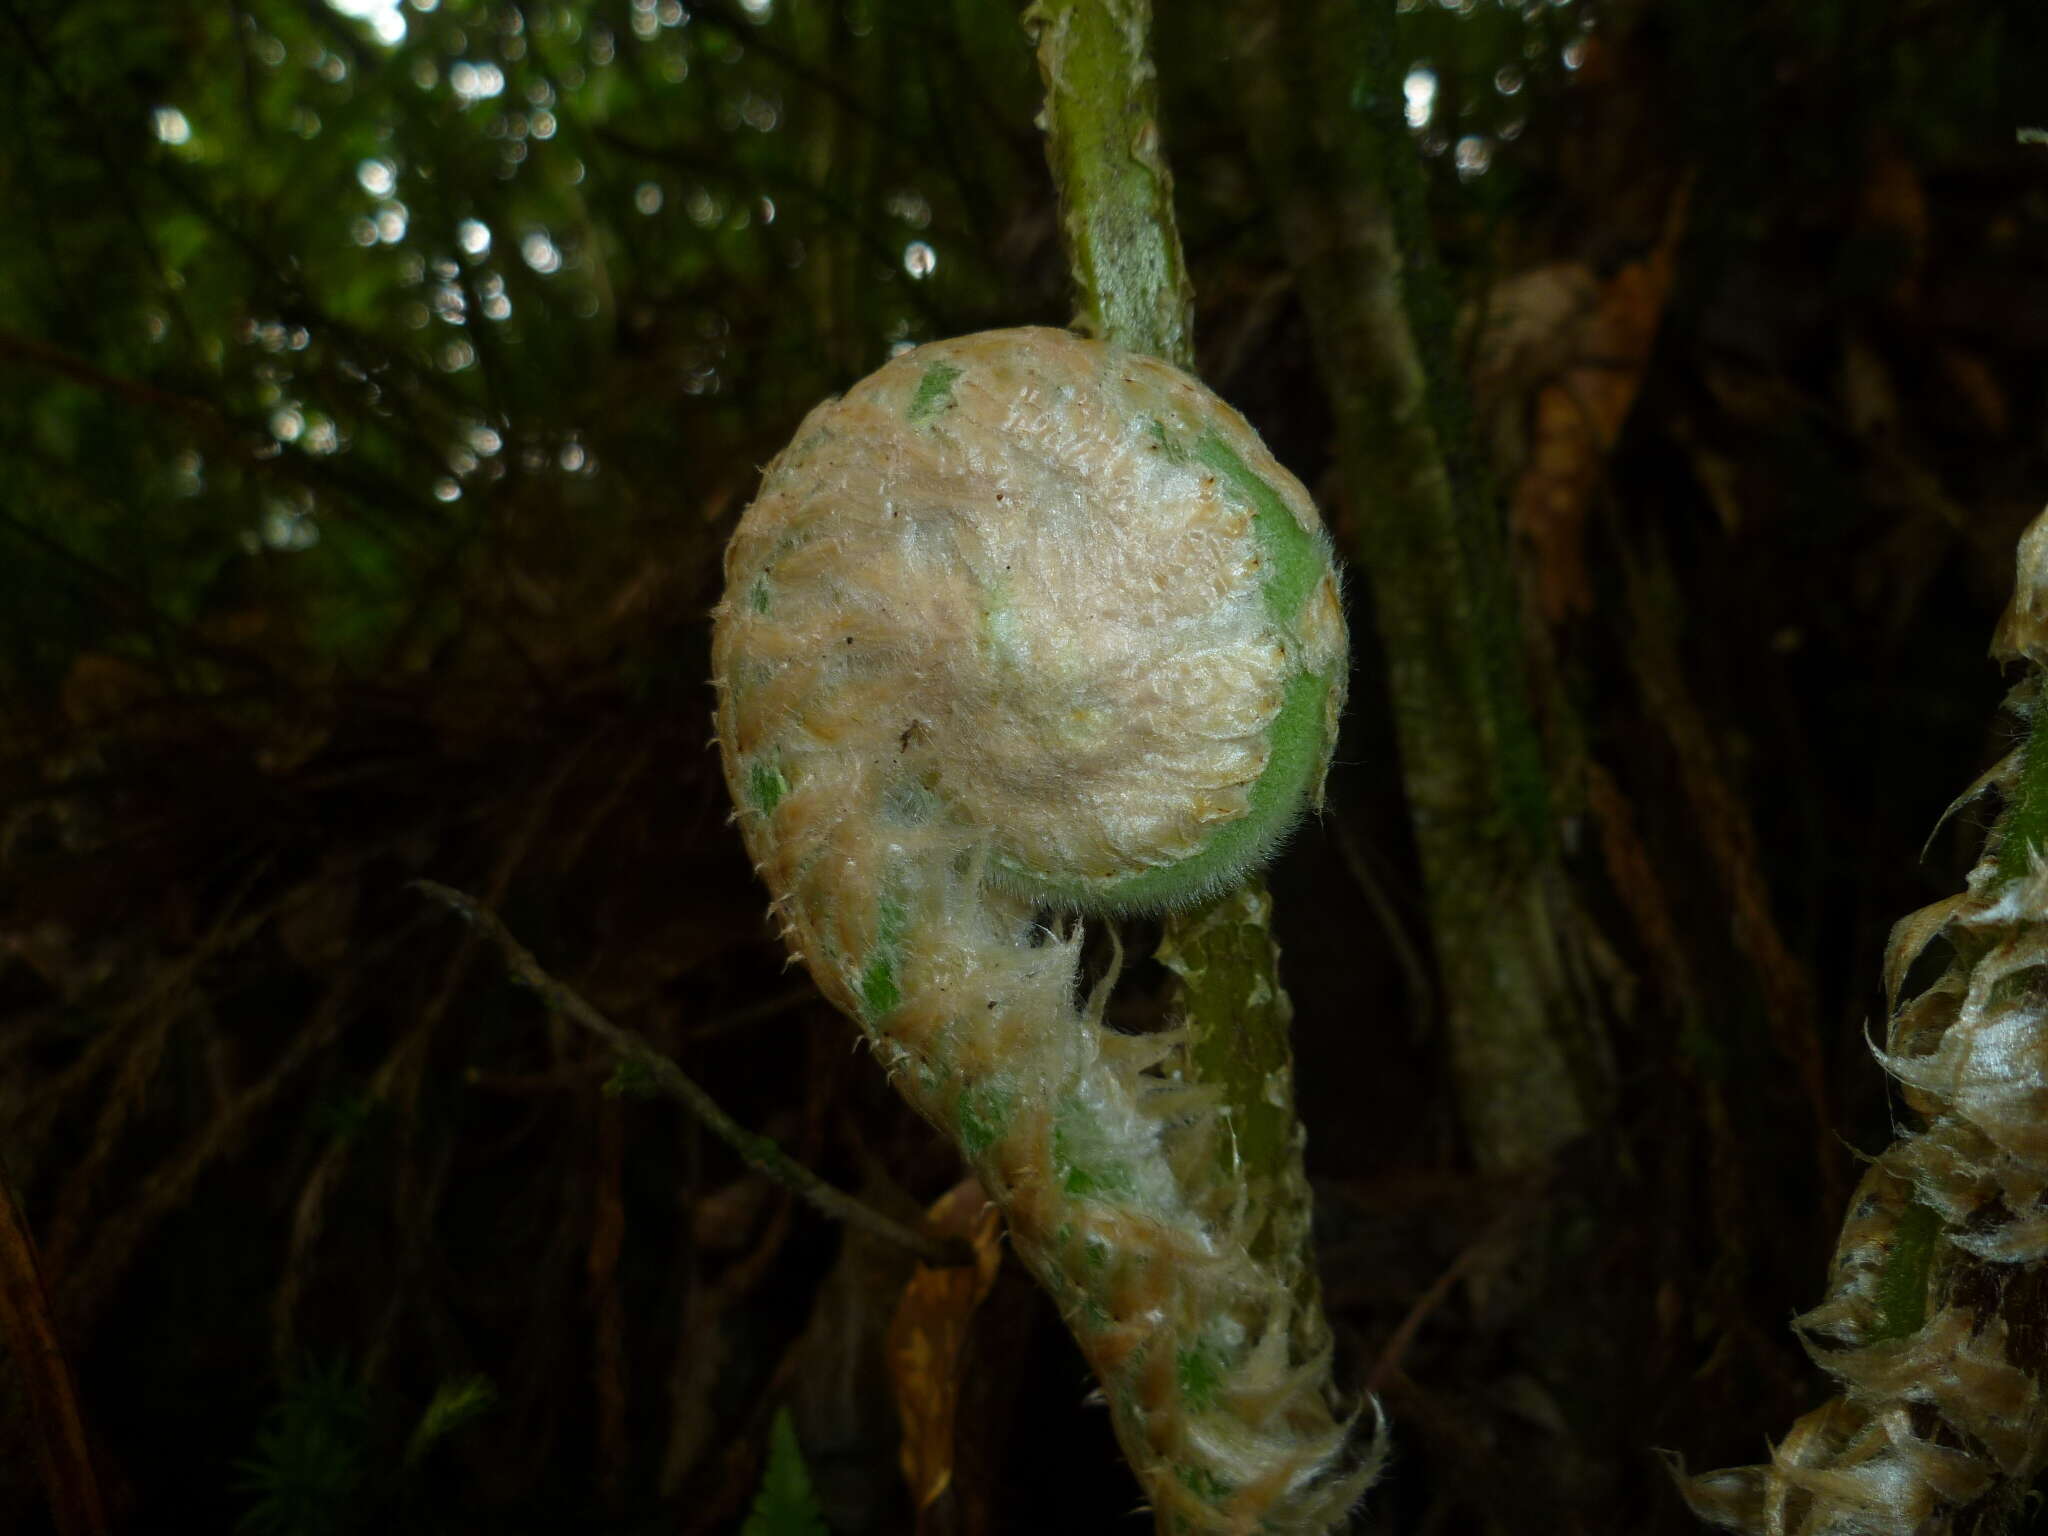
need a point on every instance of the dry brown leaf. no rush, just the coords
(1971, 380)
(1579, 415)
(2023, 630)
(928, 1333)
(1911, 935)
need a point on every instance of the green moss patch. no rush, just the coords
(934, 392)
(765, 787)
(881, 986)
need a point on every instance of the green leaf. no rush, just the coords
(785, 1506)
(456, 1402)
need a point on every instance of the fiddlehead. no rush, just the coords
(1933, 1324)
(1026, 625)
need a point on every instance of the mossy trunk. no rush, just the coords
(1323, 95)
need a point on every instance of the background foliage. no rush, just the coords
(376, 392)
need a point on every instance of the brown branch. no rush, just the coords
(26, 350)
(761, 1153)
(66, 1462)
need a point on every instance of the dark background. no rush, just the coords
(339, 549)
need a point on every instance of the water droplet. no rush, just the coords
(474, 236)
(170, 125)
(475, 82)
(1474, 155)
(386, 20)
(539, 252)
(919, 259)
(1418, 89)
(647, 198)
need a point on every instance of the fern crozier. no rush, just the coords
(1024, 628)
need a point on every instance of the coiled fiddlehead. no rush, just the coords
(1026, 627)
(1936, 1318)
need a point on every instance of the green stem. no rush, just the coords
(1115, 192)
(1116, 205)
(1116, 209)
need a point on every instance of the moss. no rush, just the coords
(1081, 1176)
(1902, 1287)
(881, 985)
(765, 787)
(1176, 451)
(983, 1113)
(1203, 1483)
(1199, 1371)
(934, 392)
(2024, 835)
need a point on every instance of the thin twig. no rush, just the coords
(760, 1152)
(1388, 1365)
